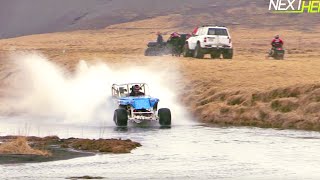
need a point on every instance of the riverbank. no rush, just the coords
(18, 149)
(293, 107)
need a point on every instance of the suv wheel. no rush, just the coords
(198, 52)
(186, 51)
(228, 54)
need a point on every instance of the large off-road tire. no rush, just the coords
(154, 52)
(282, 57)
(164, 117)
(151, 51)
(198, 52)
(215, 55)
(148, 52)
(228, 55)
(120, 117)
(279, 57)
(186, 51)
(175, 51)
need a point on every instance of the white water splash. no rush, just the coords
(48, 92)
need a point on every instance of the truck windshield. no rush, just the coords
(217, 31)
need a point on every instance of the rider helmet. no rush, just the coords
(175, 34)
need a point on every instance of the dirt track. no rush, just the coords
(249, 90)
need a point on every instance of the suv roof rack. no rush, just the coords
(206, 25)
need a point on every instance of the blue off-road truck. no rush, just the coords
(137, 108)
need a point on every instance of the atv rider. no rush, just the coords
(175, 44)
(135, 91)
(159, 39)
(276, 43)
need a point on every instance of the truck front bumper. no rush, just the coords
(139, 119)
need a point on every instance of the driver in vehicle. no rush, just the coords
(135, 91)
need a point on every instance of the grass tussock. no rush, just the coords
(236, 100)
(312, 108)
(103, 145)
(284, 105)
(21, 146)
(276, 94)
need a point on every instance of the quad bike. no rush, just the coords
(176, 44)
(277, 53)
(172, 46)
(156, 49)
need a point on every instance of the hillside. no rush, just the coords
(18, 18)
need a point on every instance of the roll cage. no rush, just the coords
(123, 90)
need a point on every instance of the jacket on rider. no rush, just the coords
(277, 42)
(174, 43)
(159, 38)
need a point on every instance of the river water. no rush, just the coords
(191, 151)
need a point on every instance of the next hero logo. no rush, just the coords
(294, 6)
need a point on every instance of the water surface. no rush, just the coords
(182, 152)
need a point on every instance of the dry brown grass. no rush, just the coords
(293, 107)
(249, 90)
(21, 146)
(103, 145)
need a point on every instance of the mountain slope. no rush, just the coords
(26, 17)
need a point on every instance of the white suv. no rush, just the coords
(208, 39)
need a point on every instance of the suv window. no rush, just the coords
(216, 31)
(199, 32)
